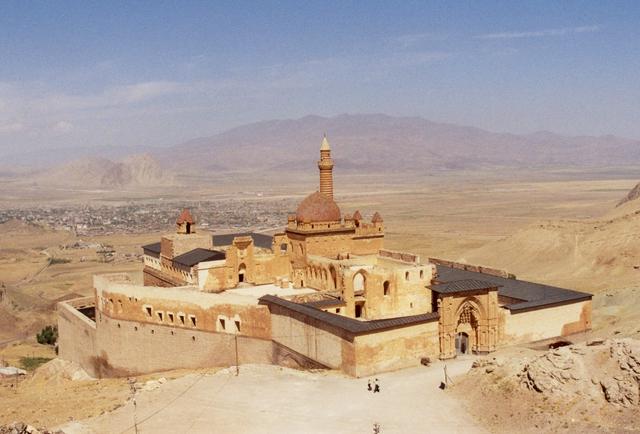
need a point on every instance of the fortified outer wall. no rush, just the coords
(544, 323)
(396, 348)
(77, 335)
(131, 348)
(140, 329)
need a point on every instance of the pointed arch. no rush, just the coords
(334, 276)
(359, 281)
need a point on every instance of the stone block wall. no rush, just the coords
(76, 336)
(396, 348)
(544, 323)
(131, 348)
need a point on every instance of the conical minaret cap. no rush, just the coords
(325, 144)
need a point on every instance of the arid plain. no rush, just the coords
(554, 226)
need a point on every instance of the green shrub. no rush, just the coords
(32, 363)
(48, 335)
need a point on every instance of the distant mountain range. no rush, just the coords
(361, 142)
(381, 142)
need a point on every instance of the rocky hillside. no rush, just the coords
(594, 385)
(134, 171)
(380, 142)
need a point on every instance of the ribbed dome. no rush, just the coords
(318, 208)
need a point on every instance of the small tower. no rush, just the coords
(185, 223)
(325, 164)
(377, 221)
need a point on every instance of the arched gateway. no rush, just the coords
(468, 317)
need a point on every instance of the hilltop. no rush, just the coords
(133, 171)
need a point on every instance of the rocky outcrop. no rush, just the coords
(23, 428)
(608, 370)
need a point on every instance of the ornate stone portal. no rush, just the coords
(468, 318)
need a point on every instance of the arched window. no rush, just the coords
(241, 273)
(385, 287)
(358, 282)
(283, 248)
(334, 277)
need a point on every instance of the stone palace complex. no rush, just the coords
(323, 293)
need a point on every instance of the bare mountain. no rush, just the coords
(134, 171)
(381, 142)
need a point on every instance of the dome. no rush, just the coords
(317, 208)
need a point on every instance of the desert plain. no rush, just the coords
(555, 226)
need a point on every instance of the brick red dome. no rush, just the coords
(318, 208)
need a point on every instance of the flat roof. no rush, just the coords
(258, 291)
(195, 256)
(532, 295)
(153, 248)
(349, 324)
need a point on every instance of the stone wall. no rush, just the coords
(328, 346)
(544, 323)
(396, 348)
(181, 308)
(77, 335)
(131, 348)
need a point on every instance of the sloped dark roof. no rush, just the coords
(462, 286)
(345, 323)
(533, 295)
(327, 302)
(259, 240)
(198, 255)
(152, 248)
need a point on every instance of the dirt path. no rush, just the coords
(272, 399)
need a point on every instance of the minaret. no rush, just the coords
(325, 164)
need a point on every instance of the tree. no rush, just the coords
(48, 335)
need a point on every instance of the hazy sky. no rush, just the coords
(153, 73)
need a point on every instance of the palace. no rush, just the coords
(323, 293)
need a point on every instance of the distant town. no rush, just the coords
(216, 215)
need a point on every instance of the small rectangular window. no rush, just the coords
(160, 316)
(181, 316)
(193, 319)
(237, 325)
(222, 324)
(170, 317)
(149, 311)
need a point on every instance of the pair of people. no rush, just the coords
(373, 387)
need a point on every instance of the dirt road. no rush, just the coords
(265, 399)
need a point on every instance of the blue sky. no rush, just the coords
(157, 73)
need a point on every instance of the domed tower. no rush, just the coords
(325, 164)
